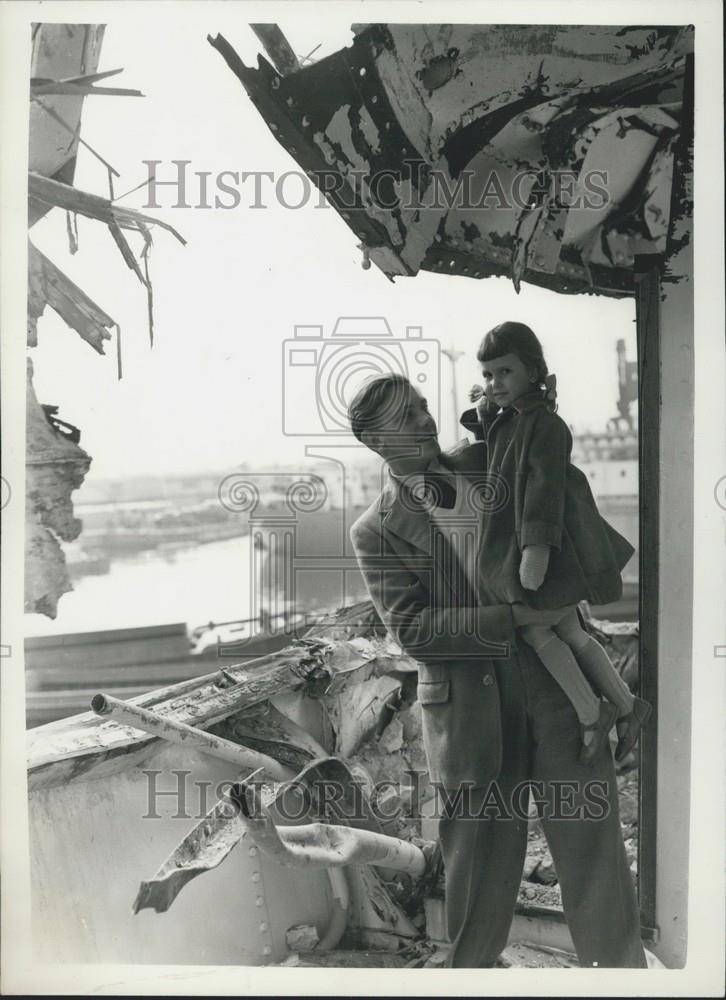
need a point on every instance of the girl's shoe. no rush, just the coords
(629, 727)
(600, 730)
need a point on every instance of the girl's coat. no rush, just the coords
(538, 497)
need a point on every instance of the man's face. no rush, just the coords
(505, 379)
(405, 435)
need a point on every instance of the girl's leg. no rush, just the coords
(595, 663)
(561, 663)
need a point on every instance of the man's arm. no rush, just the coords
(405, 607)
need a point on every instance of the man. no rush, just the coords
(493, 717)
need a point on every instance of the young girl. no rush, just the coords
(545, 544)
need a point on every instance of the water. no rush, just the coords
(206, 583)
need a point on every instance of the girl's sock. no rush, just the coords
(560, 661)
(595, 663)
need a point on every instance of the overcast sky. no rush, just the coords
(210, 393)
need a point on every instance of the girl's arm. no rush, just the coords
(544, 495)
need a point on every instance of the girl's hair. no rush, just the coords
(514, 338)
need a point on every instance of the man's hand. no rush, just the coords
(533, 567)
(522, 615)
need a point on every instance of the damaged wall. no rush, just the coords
(63, 73)
(55, 466)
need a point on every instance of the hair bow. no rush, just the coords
(551, 389)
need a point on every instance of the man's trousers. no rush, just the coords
(484, 857)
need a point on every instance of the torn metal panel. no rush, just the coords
(484, 150)
(361, 711)
(268, 731)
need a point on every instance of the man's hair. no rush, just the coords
(379, 394)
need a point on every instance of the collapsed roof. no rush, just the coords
(546, 153)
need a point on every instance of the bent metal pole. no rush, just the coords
(179, 732)
(322, 845)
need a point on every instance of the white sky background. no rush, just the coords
(209, 394)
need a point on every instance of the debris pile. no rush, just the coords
(356, 782)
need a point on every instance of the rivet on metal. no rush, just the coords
(255, 876)
(267, 950)
(252, 851)
(259, 901)
(263, 926)
(275, 82)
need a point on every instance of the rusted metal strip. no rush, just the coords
(205, 847)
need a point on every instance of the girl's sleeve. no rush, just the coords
(469, 420)
(544, 495)
(472, 421)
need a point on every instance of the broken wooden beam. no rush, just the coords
(277, 47)
(51, 192)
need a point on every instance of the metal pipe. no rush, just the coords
(179, 732)
(323, 845)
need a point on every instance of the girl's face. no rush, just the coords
(506, 379)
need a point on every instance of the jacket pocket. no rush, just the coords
(434, 692)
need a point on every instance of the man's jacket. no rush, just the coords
(431, 609)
